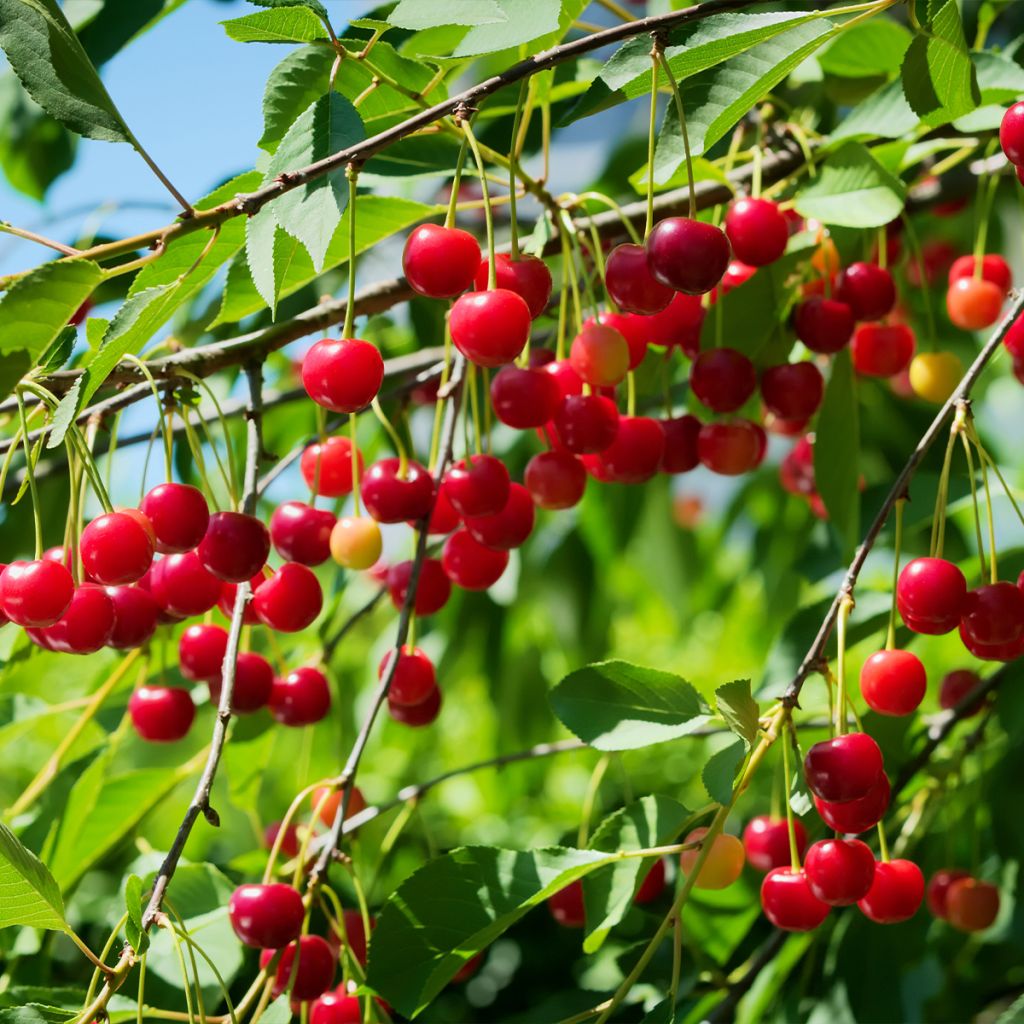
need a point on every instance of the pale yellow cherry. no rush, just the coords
(356, 542)
(935, 375)
(724, 862)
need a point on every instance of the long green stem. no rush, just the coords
(890, 638)
(844, 614)
(652, 134)
(977, 513)
(350, 305)
(681, 114)
(168, 442)
(590, 799)
(30, 471)
(787, 781)
(492, 273)
(396, 439)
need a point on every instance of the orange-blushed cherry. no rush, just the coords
(600, 355)
(414, 677)
(566, 906)
(766, 842)
(993, 269)
(356, 542)
(1011, 133)
(687, 255)
(342, 374)
(586, 424)
(930, 595)
(972, 905)
(893, 682)
(855, 816)
(417, 715)
(843, 768)
(527, 276)
(824, 325)
(839, 871)
(757, 231)
(724, 862)
(935, 375)
(524, 398)
(955, 686)
(974, 303)
(182, 586)
(266, 916)
(938, 889)
(393, 497)
(723, 379)
(161, 714)
(896, 892)
(630, 282)
(432, 591)
(555, 479)
(302, 697)
(470, 565)
(327, 467)
(732, 447)
(254, 682)
(490, 328)
(179, 515)
(326, 801)
(305, 969)
(235, 546)
(477, 485)
(201, 650)
(787, 901)
(680, 452)
(508, 528)
(440, 262)
(636, 329)
(135, 617)
(302, 533)
(116, 548)
(867, 289)
(792, 391)
(882, 350)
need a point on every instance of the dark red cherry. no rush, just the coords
(343, 374)
(440, 262)
(632, 327)
(135, 617)
(766, 842)
(994, 269)
(992, 652)
(432, 590)
(327, 467)
(290, 600)
(586, 423)
(1011, 133)
(732, 447)
(116, 548)
(787, 901)
(555, 479)
(823, 325)
(972, 905)
(414, 679)
(35, 594)
(687, 255)
(680, 454)
(301, 533)
(792, 391)
(524, 398)
(508, 528)
(955, 686)
(183, 586)
(355, 934)
(678, 324)
(391, 496)
(266, 916)
(290, 842)
(490, 328)
(893, 682)
(882, 350)
(930, 595)
(417, 715)
(235, 547)
(468, 564)
(201, 651)
(254, 683)
(306, 968)
(179, 515)
(653, 884)
(856, 816)
(993, 614)
(636, 453)
(839, 871)
(161, 714)
(600, 355)
(757, 231)
(867, 289)
(527, 276)
(844, 767)
(477, 486)
(938, 889)
(228, 592)
(566, 906)
(87, 625)
(630, 284)
(723, 379)
(895, 894)
(301, 698)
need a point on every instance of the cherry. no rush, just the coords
(930, 595)
(824, 325)
(508, 528)
(938, 889)
(687, 255)
(355, 933)
(893, 682)
(301, 698)
(653, 884)
(432, 591)
(228, 592)
(306, 968)
(87, 625)
(266, 916)
(1011, 133)
(723, 379)
(290, 600)
(882, 350)
(443, 517)
(955, 686)
(336, 1008)
(135, 616)
(732, 447)
(201, 651)
(635, 329)
(787, 901)
(1014, 338)
(856, 816)
(555, 479)
(600, 355)
(766, 842)
(524, 398)
(35, 594)
(419, 714)
(992, 652)
(356, 542)
(723, 865)
(326, 801)
(290, 844)
(301, 533)
(527, 276)
(757, 231)
(567, 907)
(935, 375)
(468, 969)
(867, 289)
(567, 380)
(844, 767)
(792, 391)
(235, 547)
(993, 268)
(974, 303)
(414, 679)
(440, 262)
(839, 871)
(586, 424)
(161, 714)
(679, 324)
(116, 548)
(797, 470)
(630, 282)
(490, 328)
(254, 682)
(179, 514)
(477, 486)
(332, 460)
(680, 452)
(343, 375)
(636, 453)
(895, 894)
(993, 614)
(972, 905)
(392, 495)
(470, 565)
(182, 586)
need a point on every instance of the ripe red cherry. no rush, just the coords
(201, 651)
(418, 715)
(432, 591)
(679, 324)
(290, 600)
(393, 497)
(566, 906)
(182, 586)
(527, 276)
(938, 889)
(687, 255)
(301, 698)
(301, 533)
(993, 268)
(336, 1008)
(1014, 339)
(893, 682)
(179, 515)
(235, 547)
(490, 328)
(555, 479)
(600, 355)
(1011, 133)
(653, 884)
(327, 800)
(757, 231)
(87, 625)
(955, 686)
(477, 486)
(867, 289)
(882, 350)
(824, 325)
(973, 304)
(229, 591)
(290, 844)
(856, 816)
(839, 871)
(787, 901)
(895, 894)
(766, 842)
(470, 565)
(993, 614)
(440, 262)
(414, 679)
(332, 460)
(566, 379)
(844, 767)
(930, 595)
(343, 375)
(135, 615)
(254, 682)
(306, 968)
(161, 714)
(680, 452)
(35, 594)
(731, 448)
(635, 329)
(992, 652)
(586, 423)
(630, 284)
(355, 933)
(792, 391)
(636, 453)
(524, 398)
(266, 916)
(508, 528)
(972, 905)
(116, 549)
(723, 379)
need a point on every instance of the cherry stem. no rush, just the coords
(230, 477)
(453, 200)
(787, 776)
(652, 134)
(353, 421)
(942, 495)
(977, 514)
(168, 443)
(990, 462)
(492, 271)
(987, 187)
(595, 243)
(435, 437)
(396, 440)
(563, 316)
(72, 554)
(659, 53)
(845, 606)
(321, 433)
(630, 393)
(989, 518)
(513, 162)
(883, 844)
(590, 799)
(569, 269)
(926, 292)
(474, 404)
(890, 639)
(352, 173)
(882, 244)
(755, 178)
(195, 446)
(31, 475)
(612, 205)
(275, 848)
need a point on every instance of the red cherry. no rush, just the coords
(636, 453)
(266, 916)
(443, 517)
(490, 328)
(228, 591)
(201, 651)
(527, 276)
(843, 768)
(419, 714)
(856, 816)
(824, 325)
(732, 447)
(687, 255)
(653, 884)
(993, 614)
(679, 324)
(993, 268)
(566, 379)
(290, 844)
(1014, 339)
(630, 284)
(766, 842)
(566, 906)
(135, 616)
(343, 375)
(508, 528)
(867, 289)
(470, 565)
(895, 893)
(336, 1008)
(432, 590)
(414, 679)
(957, 685)
(797, 470)
(327, 801)
(87, 625)
(586, 424)
(882, 350)
(182, 586)
(555, 479)
(290, 600)
(477, 486)
(468, 969)
(839, 871)
(600, 355)
(972, 905)
(161, 714)
(723, 379)
(787, 901)
(440, 262)
(893, 682)
(254, 682)
(792, 391)
(116, 548)
(524, 398)
(974, 304)
(35, 594)
(333, 461)
(179, 515)
(235, 547)
(992, 652)
(632, 327)
(938, 889)
(1011, 134)
(355, 934)
(757, 231)
(301, 533)
(930, 595)
(301, 698)
(680, 452)
(393, 497)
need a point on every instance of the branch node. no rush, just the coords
(210, 815)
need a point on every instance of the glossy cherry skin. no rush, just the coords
(653, 884)
(116, 549)
(855, 816)
(266, 916)
(630, 284)
(229, 591)
(179, 515)
(301, 533)
(306, 965)
(992, 652)
(35, 594)
(86, 626)
(327, 467)
(392, 498)
(955, 686)
(508, 528)
(290, 600)
(844, 767)
(723, 379)
(930, 595)
(636, 453)
(1014, 339)
(867, 289)
(477, 486)
(567, 907)
(490, 328)
(882, 350)
(972, 905)
(254, 682)
(680, 451)
(678, 324)
(1011, 133)
(839, 871)
(687, 255)
(355, 934)
(938, 889)
(183, 586)
(723, 865)
(524, 398)
(161, 714)
(201, 651)
(527, 276)
(235, 547)
(993, 269)
(432, 591)
(895, 894)
(757, 231)
(973, 304)
(792, 391)
(934, 376)
(893, 682)
(414, 679)
(336, 1008)
(634, 328)
(732, 447)
(600, 355)
(766, 842)
(301, 698)
(787, 901)
(443, 517)
(135, 617)
(356, 542)
(470, 565)
(440, 262)
(993, 614)
(824, 325)
(586, 424)
(343, 374)
(326, 802)
(555, 479)
(418, 715)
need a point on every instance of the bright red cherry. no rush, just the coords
(266, 916)
(490, 328)
(867, 289)
(723, 379)
(201, 651)
(993, 268)
(1014, 339)
(477, 486)
(757, 231)
(336, 1008)
(973, 303)
(957, 685)
(470, 565)
(391, 496)
(653, 884)
(678, 324)
(417, 715)
(235, 547)
(301, 698)
(731, 448)
(432, 591)
(844, 767)
(86, 626)
(179, 515)
(839, 871)
(290, 600)
(766, 842)
(630, 284)
(823, 325)
(344, 374)
(508, 528)
(414, 679)
(636, 453)
(566, 379)
(856, 816)
(135, 616)
(634, 328)
(254, 683)
(116, 549)
(972, 905)
(182, 586)
(290, 844)
(680, 452)
(792, 391)
(301, 533)
(229, 591)
(600, 355)
(893, 682)
(1011, 133)
(882, 350)
(687, 255)
(524, 398)
(327, 467)
(787, 901)
(930, 595)
(440, 262)
(993, 614)
(527, 276)
(443, 517)
(586, 424)
(938, 889)
(35, 594)
(895, 894)
(161, 714)
(992, 652)
(555, 479)
(566, 906)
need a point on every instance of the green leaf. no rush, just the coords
(719, 773)
(617, 706)
(13, 366)
(59, 350)
(874, 47)
(295, 83)
(35, 149)
(64, 415)
(837, 451)
(283, 25)
(29, 894)
(133, 929)
(525, 21)
(852, 189)
(703, 170)
(261, 233)
(417, 15)
(735, 704)
(884, 114)
(313, 5)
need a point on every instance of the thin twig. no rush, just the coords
(9, 229)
